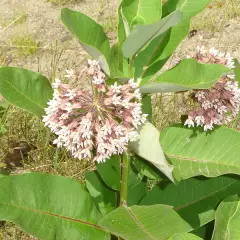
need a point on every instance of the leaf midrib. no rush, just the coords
(138, 223)
(54, 215)
(205, 197)
(199, 160)
(12, 86)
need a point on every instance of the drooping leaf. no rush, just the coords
(25, 89)
(189, 74)
(147, 169)
(227, 219)
(149, 148)
(141, 35)
(237, 70)
(184, 236)
(141, 11)
(104, 197)
(195, 200)
(50, 207)
(90, 34)
(154, 56)
(194, 152)
(110, 172)
(144, 222)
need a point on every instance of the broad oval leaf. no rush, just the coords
(185, 236)
(142, 11)
(227, 220)
(25, 89)
(158, 222)
(189, 74)
(151, 150)
(154, 56)
(195, 199)
(90, 34)
(194, 152)
(143, 34)
(50, 207)
(104, 197)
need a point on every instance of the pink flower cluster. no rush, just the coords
(220, 104)
(95, 124)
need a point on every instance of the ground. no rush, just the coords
(32, 36)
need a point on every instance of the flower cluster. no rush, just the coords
(214, 56)
(96, 123)
(220, 104)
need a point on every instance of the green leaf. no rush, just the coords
(194, 152)
(111, 175)
(50, 207)
(144, 222)
(146, 168)
(147, 106)
(237, 70)
(4, 173)
(104, 197)
(184, 236)
(123, 26)
(142, 11)
(143, 34)
(195, 200)
(189, 8)
(137, 186)
(119, 65)
(189, 74)
(151, 150)
(205, 231)
(110, 172)
(25, 89)
(227, 219)
(155, 55)
(90, 34)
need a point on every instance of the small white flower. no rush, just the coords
(189, 122)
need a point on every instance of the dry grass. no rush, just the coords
(216, 15)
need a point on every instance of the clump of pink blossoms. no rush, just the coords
(95, 124)
(220, 104)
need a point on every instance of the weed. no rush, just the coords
(25, 45)
(19, 18)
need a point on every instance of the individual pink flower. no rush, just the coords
(95, 124)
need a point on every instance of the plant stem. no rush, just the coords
(124, 161)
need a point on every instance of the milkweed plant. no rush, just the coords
(178, 184)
